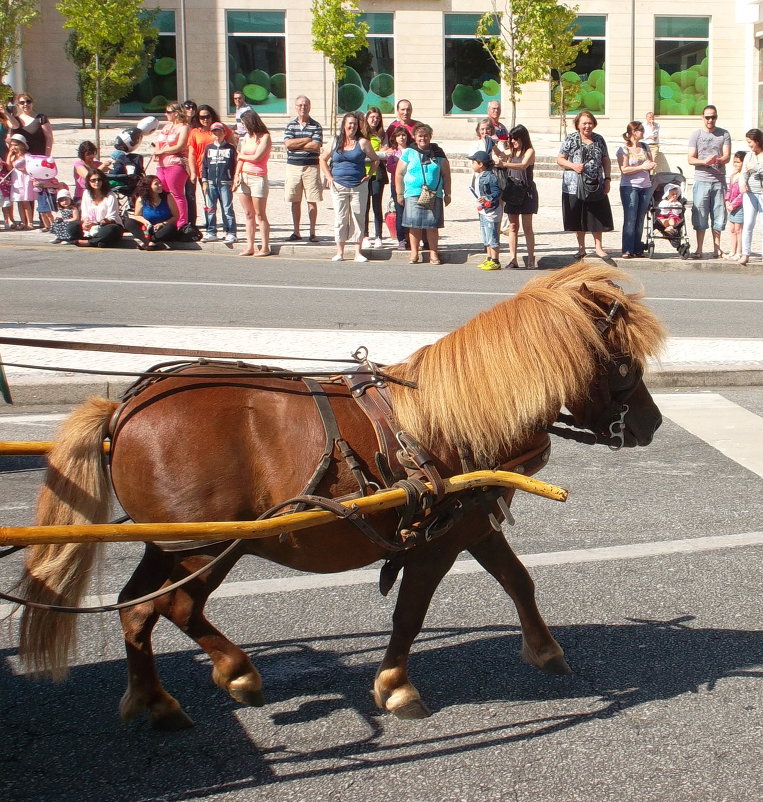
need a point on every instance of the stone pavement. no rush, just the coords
(460, 238)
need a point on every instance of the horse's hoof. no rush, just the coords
(170, 722)
(415, 708)
(246, 697)
(555, 664)
(247, 690)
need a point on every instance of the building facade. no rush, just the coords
(644, 56)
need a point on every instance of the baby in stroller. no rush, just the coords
(670, 211)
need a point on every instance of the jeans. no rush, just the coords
(635, 202)
(753, 206)
(220, 192)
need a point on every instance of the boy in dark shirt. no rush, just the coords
(217, 171)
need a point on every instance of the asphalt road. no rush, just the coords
(665, 703)
(107, 287)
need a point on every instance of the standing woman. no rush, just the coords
(751, 184)
(373, 131)
(636, 165)
(35, 128)
(251, 179)
(170, 154)
(401, 139)
(587, 166)
(520, 162)
(100, 224)
(343, 165)
(154, 220)
(423, 165)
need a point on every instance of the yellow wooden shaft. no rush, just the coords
(26, 448)
(291, 522)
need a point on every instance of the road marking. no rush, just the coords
(733, 430)
(342, 289)
(370, 576)
(50, 417)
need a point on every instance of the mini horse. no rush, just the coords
(190, 448)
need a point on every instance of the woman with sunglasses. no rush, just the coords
(198, 139)
(35, 128)
(171, 155)
(100, 224)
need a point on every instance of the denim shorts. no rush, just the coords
(490, 232)
(707, 205)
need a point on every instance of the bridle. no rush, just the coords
(622, 377)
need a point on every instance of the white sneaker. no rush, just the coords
(337, 257)
(360, 258)
(377, 242)
(231, 238)
(55, 241)
(365, 242)
(209, 237)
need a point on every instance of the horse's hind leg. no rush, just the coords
(144, 689)
(424, 569)
(538, 645)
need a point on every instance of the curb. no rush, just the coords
(75, 389)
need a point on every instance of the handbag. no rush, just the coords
(427, 196)
(590, 188)
(515, 193)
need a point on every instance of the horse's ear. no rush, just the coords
(585, 292)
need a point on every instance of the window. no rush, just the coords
(160, 85)
(369, 80)
(472, 79)
(680, 55)
(257, 59)
(586, 81)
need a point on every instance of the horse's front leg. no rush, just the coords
(424, 569)
(538, 645)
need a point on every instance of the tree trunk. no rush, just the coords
(97, 104)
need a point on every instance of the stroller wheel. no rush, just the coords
(650, 250)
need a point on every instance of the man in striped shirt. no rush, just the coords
(303, 139)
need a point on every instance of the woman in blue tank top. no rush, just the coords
(343, 165)
(154, 220)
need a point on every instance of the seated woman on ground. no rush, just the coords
(154, 221)
(101, 224)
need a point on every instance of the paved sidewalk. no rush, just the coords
(686, 362)
(460, 238)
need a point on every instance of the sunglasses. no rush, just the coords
(711, 116)
(24, 102)
(95, 181)
(205, 116)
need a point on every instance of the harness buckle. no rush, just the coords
(617, 429)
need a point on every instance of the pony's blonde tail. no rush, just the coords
(76, 491)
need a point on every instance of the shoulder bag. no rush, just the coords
(427, 196)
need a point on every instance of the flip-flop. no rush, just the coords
(295, 238)
(313, 238)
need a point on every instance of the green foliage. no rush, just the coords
(15, 15)
(112, 44)
(338, 32)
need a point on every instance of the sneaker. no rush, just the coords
(402, 245)
(209, 237)
(231, 238)
(360, 258)
(490, 264)
(55, 241)
(377, 242)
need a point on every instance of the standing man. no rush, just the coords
(404, 118)
(303, 139)
(239, 101)
(709, 152)
(494, 115)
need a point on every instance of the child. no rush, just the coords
(733, 199)
(217, 171)
(22, 191)
(671, 210)
(5, 195)
(67, 212)
(486, 189)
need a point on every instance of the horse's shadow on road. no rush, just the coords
(307, 681)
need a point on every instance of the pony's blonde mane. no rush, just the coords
(491, 383)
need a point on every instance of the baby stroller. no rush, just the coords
(655, 228)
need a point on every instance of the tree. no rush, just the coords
(15, 15)
(339, 34)
(111, 45)
(529, 35)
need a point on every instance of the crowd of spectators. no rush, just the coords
(193, 149)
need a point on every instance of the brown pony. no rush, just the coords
(228, 448)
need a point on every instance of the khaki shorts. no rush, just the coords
(255, 186)
(307, 178)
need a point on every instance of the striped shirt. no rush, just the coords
(295, 130)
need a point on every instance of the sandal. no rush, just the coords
(581, 254)
(415, 259)
(434, 258)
